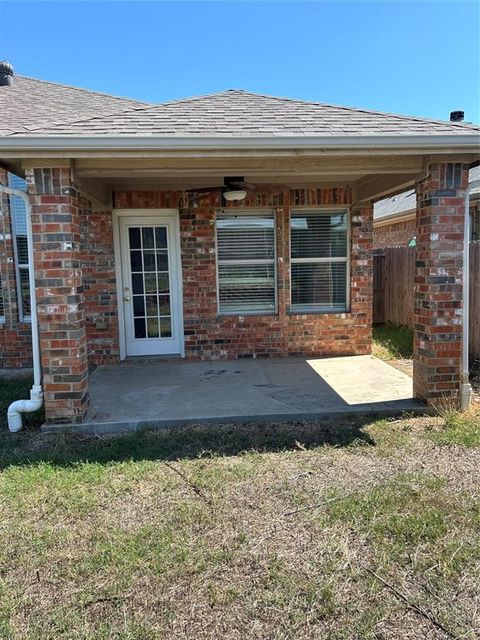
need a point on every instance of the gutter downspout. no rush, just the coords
(465, 386)
(18, 407)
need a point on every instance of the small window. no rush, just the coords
(319, 261)
(20, 246)
(246, 263)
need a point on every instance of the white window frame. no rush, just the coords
(298, 310)
(253, 213)
(22, 317)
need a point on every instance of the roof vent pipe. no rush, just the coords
(457, 116)
(6, 73)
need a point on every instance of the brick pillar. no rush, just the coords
(438, 283)
(361, 275)
(56, 229)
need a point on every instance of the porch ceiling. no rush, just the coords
(370, 176)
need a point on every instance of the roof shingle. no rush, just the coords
(29, 103)
(237, 113)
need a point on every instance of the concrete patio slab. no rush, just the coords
(168, 393)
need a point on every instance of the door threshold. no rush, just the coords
(154, 358)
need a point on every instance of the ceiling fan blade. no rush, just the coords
(205, 189)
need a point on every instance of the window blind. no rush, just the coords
(319, 260)
(19, 226)
(246, 263)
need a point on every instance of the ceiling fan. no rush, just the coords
(234, 188)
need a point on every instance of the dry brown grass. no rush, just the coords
(277, 544)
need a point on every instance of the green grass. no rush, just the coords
(259, 531)
(18, 389)
(392, 343)
(458, 429)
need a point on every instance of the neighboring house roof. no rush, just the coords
(29, 103)
(401, 203)
(233, 113)
(397, 208)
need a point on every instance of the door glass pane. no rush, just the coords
(161, 237)
(134, 236)
(138, 306)
(164, 305)
(152, 326)
(147, 234)
(151, 283)
(149, 260)
(137, 283)
(162, 261)
(136, 260)
(163, 284)
(140, 328)
(166, 327)
(152, 306)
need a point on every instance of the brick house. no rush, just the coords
(394, 219)
(138, 250)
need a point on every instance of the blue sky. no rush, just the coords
(419, 58)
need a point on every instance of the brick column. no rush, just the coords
(438, 283)
(361, 275)
(56, 229)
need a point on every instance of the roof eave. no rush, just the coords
(458, 143)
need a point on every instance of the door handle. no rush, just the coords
(126, 298)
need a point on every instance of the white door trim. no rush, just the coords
(127, 213)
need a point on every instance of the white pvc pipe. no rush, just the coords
(465, 386)
(18, 407)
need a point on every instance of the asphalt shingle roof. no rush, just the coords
(237, 113)
(29, 103)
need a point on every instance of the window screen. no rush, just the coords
(246, 263)
(319, 250)
(19, 227)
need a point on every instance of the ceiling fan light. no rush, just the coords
(235, 194)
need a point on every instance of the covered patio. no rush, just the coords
(141, 250)
(160, 393)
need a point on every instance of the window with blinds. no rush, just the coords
(319, 260)
(19, 227)
(246, 263)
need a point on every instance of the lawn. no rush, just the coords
(349, 530)
(342, 530)
(392, 343)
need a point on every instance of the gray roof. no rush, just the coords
(400, 203)
(234, 113)
(29, 104)
(407, 201)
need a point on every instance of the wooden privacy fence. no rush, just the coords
(393, 287)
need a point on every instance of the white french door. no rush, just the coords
(151, 288)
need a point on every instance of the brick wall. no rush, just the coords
(56, 210)
(438, 283)
(99, 284)
(208, 335)
(394, 235)
(15, 336)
